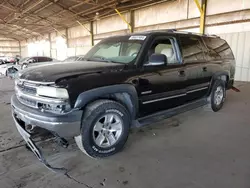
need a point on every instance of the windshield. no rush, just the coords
(116, 50)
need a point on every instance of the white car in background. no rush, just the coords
(9, 69)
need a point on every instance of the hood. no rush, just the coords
(42, 63)
(54, 71)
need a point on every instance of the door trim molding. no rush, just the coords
(195, 90)
(165, 98)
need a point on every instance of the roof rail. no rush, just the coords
(184, 32)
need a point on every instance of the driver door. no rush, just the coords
(162, 87)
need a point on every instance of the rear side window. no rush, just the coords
(217, 49)
(192, 49)
(44, 59)
(41, 59)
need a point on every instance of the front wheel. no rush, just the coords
(105, 128)
(24, 66)
(218, 95)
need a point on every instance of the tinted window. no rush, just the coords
(217, 49)
(192, 49)
(44, 59)
(165, 47)
(41, 59)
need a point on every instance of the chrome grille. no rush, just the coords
(27, 89)
(26, 93)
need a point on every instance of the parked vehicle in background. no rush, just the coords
(1, 62)
(24, 62)
(5, 69)
(69, 59)
(10, 60)
(123, 81)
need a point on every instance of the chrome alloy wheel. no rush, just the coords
(218, 95)
(107, 130)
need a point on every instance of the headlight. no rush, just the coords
(53, 92)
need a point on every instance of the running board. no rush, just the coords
(159, 116)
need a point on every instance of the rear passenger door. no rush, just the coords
(195, 65)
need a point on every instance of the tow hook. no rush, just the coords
(235, 89)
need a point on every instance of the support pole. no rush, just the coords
(20, 49)
(50, 45)
(91, 31)
(202, 8)
(122, 17)
(67, 37)
(132, 20)
(203, 17)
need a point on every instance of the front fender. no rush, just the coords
(129, 96)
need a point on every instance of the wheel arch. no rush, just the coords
(125, 94)
(223, 75)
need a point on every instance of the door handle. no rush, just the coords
(181, 73)
(204, 69)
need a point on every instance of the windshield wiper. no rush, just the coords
(102, 59)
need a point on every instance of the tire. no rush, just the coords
(24, 66)
(216, 101)
(95, 117)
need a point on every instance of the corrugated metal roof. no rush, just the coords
(23, 19)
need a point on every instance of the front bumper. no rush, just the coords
(65, 125)
(27, 137)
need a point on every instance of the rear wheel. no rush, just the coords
(105, 129)
(218, 95)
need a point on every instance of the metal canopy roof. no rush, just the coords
(23, 19)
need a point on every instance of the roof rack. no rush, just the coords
(184, 32)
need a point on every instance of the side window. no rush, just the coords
(165, 47)
(192, 49)
(41, 59)
(217, 49)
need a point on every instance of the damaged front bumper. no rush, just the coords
(27, 137)
(62, 126)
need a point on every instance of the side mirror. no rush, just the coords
(157, 59)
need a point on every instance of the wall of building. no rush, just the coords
(224, 17)
(9, 47)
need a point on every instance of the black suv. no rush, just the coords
(120, 82)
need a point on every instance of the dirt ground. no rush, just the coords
(206, 150)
